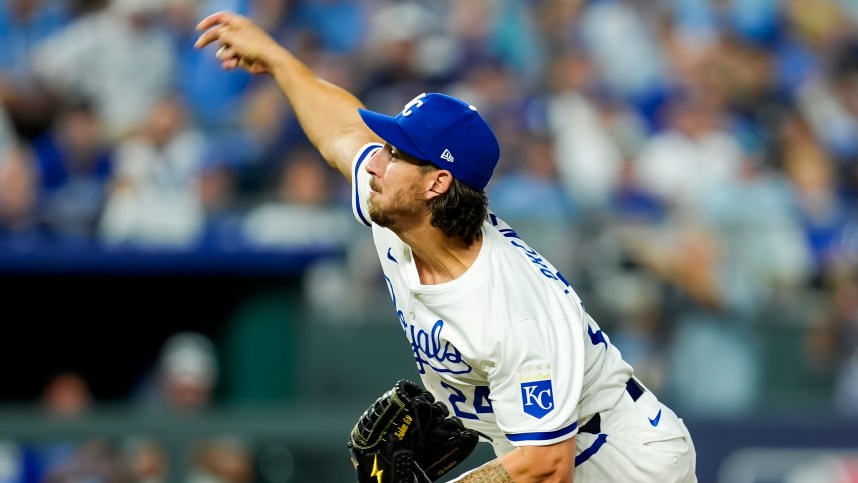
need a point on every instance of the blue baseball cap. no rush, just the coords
(444, 131)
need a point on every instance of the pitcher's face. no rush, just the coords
(397, 196)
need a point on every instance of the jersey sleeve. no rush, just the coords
(536, 380)
(360, 183)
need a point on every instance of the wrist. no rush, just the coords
(277, 60)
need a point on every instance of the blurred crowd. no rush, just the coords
(179, 385)
(691, 166)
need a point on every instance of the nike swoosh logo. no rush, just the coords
(654, 421)
(391, 256)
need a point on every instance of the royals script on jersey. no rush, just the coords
(508, 345)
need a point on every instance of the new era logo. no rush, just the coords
(447, 156)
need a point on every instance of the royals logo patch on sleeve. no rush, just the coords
(537, 395)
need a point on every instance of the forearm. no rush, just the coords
(327, 113)
(491, 472)
(528, 464)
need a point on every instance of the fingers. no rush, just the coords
(219, 18)
(226, 52)
(235, 34)
(210, 36)
(230, 64)
(216, 26)
(228, 57)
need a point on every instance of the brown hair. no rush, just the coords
(459, 212)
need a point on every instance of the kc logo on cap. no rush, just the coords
(432, 127)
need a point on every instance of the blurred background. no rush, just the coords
(184, 295)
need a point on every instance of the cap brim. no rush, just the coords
(390, 131)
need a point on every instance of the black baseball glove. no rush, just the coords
(407, 437)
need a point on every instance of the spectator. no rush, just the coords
(145, 460)
(184, 378)
(182, 385)
(223, 459)
(120, 59)
(303, 198)
(154, 201)
(66, 395)
(593, 133)
(74, 164)
(530, 190)
(692, 155)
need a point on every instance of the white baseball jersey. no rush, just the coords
(508, 345)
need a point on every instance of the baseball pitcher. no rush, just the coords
(504, 347)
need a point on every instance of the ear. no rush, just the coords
(438, 182)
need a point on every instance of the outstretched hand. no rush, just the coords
(243, 44)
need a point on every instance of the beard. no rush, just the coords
(400, 210)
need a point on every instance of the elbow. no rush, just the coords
(550, 465)
(555, 473)
(339, 148)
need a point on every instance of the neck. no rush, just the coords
(438, 258)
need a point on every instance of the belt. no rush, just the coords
(594, 425)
